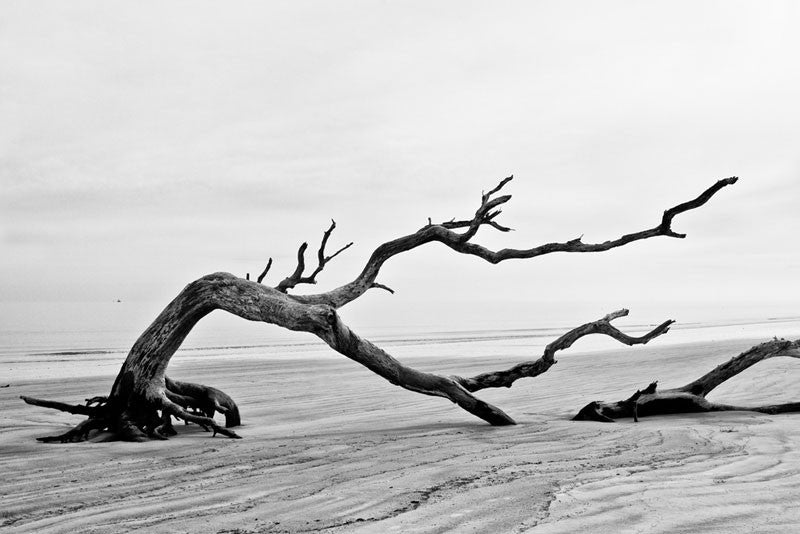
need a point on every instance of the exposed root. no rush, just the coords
(128, 429)
(99, 401)
(78, 433)
(142, 422)
(165, 428)
(77, 409)
(204, 399)
(176, 410)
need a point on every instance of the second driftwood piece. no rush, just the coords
(691, 398)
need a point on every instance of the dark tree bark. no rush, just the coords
(143, 399)
(691, 398)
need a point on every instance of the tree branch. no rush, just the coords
(381, 286)
(460, 242)
(265, 271)
(346, 342)
(705, 196)
(297, 276)
(506, 378)
(778, 347)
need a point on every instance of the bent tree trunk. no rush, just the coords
(691, 398)
(143, 399)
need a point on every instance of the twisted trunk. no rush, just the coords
(143, 399)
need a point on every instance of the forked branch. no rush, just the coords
(485, 215)
(297, 276)
(506, 378)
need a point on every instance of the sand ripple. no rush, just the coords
(340, 450)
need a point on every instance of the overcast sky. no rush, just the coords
(144, 144)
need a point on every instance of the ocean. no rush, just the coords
(42, 340)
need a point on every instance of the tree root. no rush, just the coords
(176, 410)
(147, 420)
(61, 406)
(691, 398)
(205, 399)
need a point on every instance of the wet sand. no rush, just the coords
(330, 447)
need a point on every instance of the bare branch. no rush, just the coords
(381, 286)
(264, 272)
(705, 196)
(484, 214)
(503, 182)
(506, 378)
(460, 242)
(297, 276)
(778, 347)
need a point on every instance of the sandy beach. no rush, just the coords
(330, 447)
(247, 193)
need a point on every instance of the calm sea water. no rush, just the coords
(80, 339)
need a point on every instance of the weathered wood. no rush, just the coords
(498, 379)
(264, 272)
(297, 276)
(61, 406)
(143, 400)
(691, 398)
(443, 233)
(206, 399)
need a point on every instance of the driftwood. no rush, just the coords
(691, 398)
(143, 399)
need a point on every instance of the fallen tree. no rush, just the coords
(691, 398)
(143, 399)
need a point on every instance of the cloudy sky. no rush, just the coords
(145, 144)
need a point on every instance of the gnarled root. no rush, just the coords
(144, 420)
(691, 398)
(170, 408)
(204, 399)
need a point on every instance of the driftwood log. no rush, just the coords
(691, 398)
(143, 399)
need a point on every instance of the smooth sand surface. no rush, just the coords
(330, 447)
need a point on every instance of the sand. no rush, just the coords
(330, 447)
